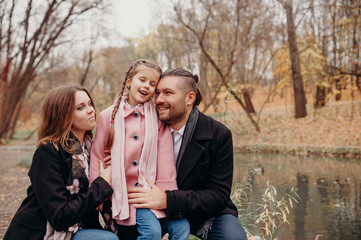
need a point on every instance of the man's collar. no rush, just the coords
(180, 131)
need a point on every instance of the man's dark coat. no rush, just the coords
(204, 175)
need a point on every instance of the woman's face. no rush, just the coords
(84, 115)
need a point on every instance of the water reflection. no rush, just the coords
(330, 191)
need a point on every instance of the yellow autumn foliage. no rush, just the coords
(311, 59)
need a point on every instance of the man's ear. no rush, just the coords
(190, 98)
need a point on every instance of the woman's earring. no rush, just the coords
(128, 86)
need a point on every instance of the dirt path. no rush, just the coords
(13, 182)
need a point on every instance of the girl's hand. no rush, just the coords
(106, 172)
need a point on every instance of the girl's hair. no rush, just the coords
(57, 117)
(189, 83)
(133, 70)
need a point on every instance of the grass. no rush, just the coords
(25, 162)
(24, 133)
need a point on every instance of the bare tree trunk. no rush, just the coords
(6, 71)
(321, 90)
(14, 120)
(84, 74)
(352, 100)
(334, 40)
(356, 47)
(248, 101)
(299, 94)
(320, 97)
(358, 82)
(338, 88)
(11, 99)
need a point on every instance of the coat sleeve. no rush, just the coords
(47, 179)
(166, 177)
(98, 146)
(208, 191)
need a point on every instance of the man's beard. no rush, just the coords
(174, 115)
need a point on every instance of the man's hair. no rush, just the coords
(189, 81)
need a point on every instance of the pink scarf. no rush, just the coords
(147, 161)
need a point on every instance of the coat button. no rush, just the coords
(137, 184)
(136, 114)
(136, 136)
(180, 214)
(135, 163)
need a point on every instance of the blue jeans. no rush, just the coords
(178, 229)
(227, 227)
(89, 234)
(149, 227)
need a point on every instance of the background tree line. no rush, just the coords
(236, 47)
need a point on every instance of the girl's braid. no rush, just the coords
(128, 75)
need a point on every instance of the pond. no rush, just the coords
(329, 190)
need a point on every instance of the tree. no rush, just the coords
(26, 41)
(299, 93)
(312, 63)
(234, 40)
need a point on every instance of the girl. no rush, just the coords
(59, 200)
(141, 146)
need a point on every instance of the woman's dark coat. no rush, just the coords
(48, 199)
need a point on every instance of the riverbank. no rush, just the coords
(331, 152)
(333, 131)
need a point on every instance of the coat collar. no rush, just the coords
(195, 149)
(203, 129)
(128, 110)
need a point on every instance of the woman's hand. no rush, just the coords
(105, 170)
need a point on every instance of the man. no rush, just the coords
(204, 160)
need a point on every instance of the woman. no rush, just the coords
(60, 200)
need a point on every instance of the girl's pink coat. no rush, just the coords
(166, 172)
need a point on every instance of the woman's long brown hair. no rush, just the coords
(57, 117)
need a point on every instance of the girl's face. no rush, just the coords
(142, 85)
(84, 115)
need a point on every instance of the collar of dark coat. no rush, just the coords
(195, 149)
(203, 129)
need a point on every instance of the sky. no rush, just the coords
(129, 18)
(125, 18)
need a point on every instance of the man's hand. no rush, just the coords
(153, 198)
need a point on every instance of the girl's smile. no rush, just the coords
(142, 85)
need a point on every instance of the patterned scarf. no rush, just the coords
(78, 181)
